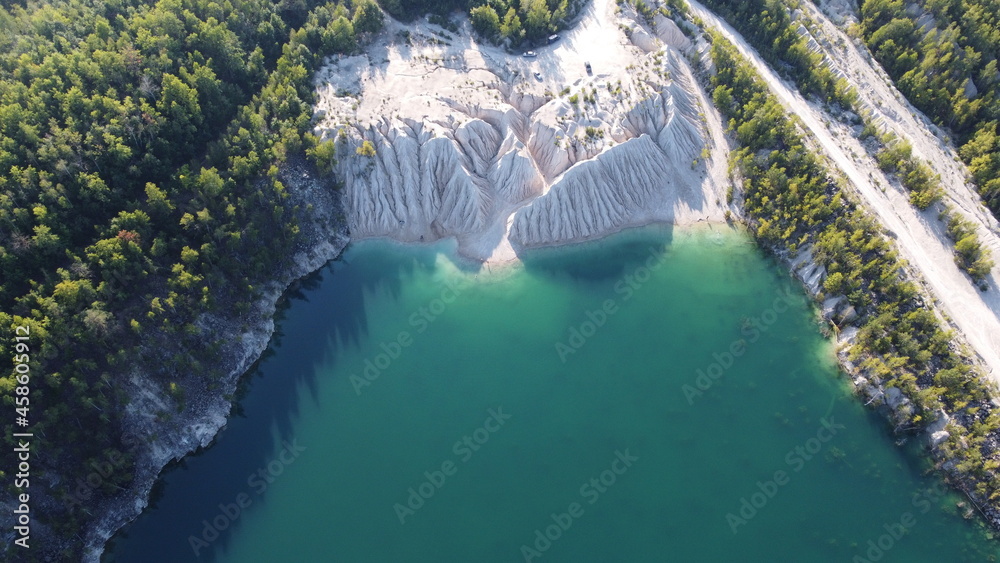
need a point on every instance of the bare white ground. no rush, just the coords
(470, 143)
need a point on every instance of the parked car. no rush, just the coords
(553, 38)
(530, 54)
(589, 69)
(538, 75)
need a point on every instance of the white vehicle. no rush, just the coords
(538, 75)
(530, 54)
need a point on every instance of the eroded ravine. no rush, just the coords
(439, 136)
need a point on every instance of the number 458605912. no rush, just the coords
(22, 371)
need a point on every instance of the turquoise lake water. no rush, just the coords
(663, 395)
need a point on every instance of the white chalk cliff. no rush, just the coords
(470, 143)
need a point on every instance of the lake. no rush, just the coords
(662, 395)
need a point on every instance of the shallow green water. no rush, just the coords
(329, 462)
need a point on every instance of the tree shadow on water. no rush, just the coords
(604, 260)
(195, 506)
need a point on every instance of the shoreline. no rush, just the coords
(461, 259)
(165, 444)
(970, 310)
(944, 432)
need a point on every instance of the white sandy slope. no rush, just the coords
(469, 144)
(918, 234)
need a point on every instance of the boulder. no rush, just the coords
(937, 438)
(894, 398)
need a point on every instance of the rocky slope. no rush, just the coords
(439, 136)
(166, 439)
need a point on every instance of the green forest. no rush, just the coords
(139, 187)
(521, 22)
(792, 200)
(947, 67)
(767, 26)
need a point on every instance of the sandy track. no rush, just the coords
(892, 111)
(918, 235)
